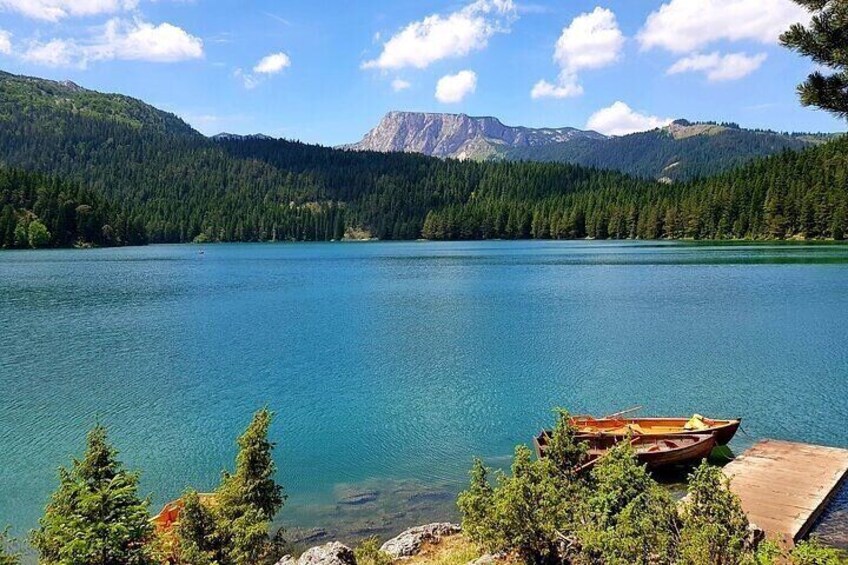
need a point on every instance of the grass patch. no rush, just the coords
(452, 550)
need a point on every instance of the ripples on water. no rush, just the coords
(391, 365)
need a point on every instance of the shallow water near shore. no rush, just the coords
(390, 365)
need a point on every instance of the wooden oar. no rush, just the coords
(615, 415)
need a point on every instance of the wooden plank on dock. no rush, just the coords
(785, 486)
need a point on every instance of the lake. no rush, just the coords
(390, 365)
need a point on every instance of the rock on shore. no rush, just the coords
(409, 542)
(333, 553)
(406, 544)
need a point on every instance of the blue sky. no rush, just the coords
(325, 71)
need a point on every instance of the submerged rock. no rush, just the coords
(358, 498)
(409, 542)
(333, 553)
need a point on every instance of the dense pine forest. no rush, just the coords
(175, 185)
(791, 195)
(38, 211)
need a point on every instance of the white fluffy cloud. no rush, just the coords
(55, 10)
(399, 85)
(567, 88)
(620, 119)
(268, 65)
(142, 41)
(438, 37)
(120, 40)
(683, 26)
(593, 40)
(272, 64)
(54, 53)
(5, 42)
(719, 67)
(454, 88)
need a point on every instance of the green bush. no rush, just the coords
(7, 555)
(715, 527)
(630, 518)
(535, 509)
(547, 511)
(37, 235)
(95, 517)
(368, 553)
(235, 529)
(812, 552)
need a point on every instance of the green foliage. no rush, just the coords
(196, 535)
(767, 553)
(234, 530)
(368, 553)
(253, 483)
(614, 515)
(530, 506)
(823, 41)
(7, 555)
(812, 552)
(631, 519)
(564, 451)
(475, 505)
(715, 528)
(96, 516)
(37, 211)
(531, 510)
(37, 234)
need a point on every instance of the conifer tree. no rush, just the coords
(475, 505)
(197, 542)
(824, 41)
(715, 526)
(96, 516)
(248, 499)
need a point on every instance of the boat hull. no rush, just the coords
(654, 451)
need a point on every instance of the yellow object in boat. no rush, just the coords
(696, 424)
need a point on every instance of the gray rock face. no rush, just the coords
(409, 542)
(333, 553)
(458, 135)
(287, 560)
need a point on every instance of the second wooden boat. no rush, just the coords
(655, 451)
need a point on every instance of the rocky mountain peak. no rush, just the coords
(458, 135)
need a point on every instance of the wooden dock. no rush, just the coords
(785, 486)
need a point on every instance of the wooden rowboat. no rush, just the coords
(723, 430)
(169, 516)
(655, 451)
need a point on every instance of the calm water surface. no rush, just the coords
(391, 364)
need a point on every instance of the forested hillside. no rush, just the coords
(785, 196)
(175, 185)
(38, 211)
(680, 152)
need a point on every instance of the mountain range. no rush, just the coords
(79, 167)
(679, 151)
(460, 136)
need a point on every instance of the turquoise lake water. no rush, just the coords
(390, 365)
